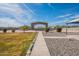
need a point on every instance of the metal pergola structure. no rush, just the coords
(76, 21)
(34, 23)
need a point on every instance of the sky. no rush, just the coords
(18, 14)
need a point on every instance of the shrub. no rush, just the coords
(47, 30)
(59, 28)
(13, 30)
(4, 30)
(24, 28)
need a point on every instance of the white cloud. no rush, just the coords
(75, 16)
(29, 9)
(15, 10)
(39, 4)
(49, 4)
(68, 19)
(59, 22)
(75, 20)
(7, 22)
(66, 15)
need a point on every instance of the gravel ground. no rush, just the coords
(63, 46)
(61, 34)
(54, 34)
(73, 33)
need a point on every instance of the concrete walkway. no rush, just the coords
(40, 48)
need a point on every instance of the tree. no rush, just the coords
(13, 30)
(4, 30)
(59, 28)
(24, 28)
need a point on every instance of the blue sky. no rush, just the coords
(17, 14)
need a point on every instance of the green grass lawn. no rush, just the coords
(15, 44)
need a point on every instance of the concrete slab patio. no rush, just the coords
(40, 48)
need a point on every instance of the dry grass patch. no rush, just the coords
(15, 44)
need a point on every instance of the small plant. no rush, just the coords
(24, 28)
(13, 30)
(4, 30)
(59, 28)
(46, 29)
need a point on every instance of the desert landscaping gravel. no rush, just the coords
(63, 46)
(54, 34)
(61, 34)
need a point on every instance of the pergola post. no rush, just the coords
(66, 28)
(32, 26)
(46, 25)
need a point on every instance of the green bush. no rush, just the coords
(24, 28)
